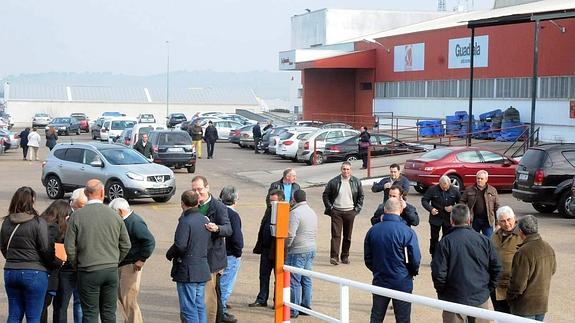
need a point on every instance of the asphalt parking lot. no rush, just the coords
(247, 171)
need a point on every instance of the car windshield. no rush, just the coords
(122, 124)
(42, 115)
(123, 157)
(111, 114)
(436, 154)
(178, 116)
(535, 158)
(147, 116)
(61, 120)
(174, 138)
(79, 117)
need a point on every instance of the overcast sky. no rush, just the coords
(128, 36)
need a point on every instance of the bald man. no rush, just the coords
(96, 241)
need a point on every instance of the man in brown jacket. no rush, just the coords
(533, 265)
(505, 240)
(483, 202)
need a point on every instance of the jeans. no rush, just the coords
(482, 225)
(536, 317)
(211, 146)
(401, 309)
(26, 290)
(300, 286)
(228, 279)
(192, 306)
(67, 286)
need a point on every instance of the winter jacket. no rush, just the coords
(34, 139)
(189, 253)
(506, 245)
(217, 254)
(211, 134)
(491, 200)
(256, 131)
(436, 198)
(51, 140)
(533, 265)
(196, 132)
(364, 136)
(332, 190)
(24, 138)
(401, 181)
(465, 267)
(302, 229)
(144, 150)
(30, 246)
(408, 215)
(386, 246)
(141, 239)
(265, 245)
(235, 243)
(279, 185)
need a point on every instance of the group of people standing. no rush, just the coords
(210, 137)
(30, 142)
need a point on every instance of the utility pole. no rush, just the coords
(168, 81)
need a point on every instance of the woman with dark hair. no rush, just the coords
(51, 138)
(55, 215)
(25, 245)
(364, 145)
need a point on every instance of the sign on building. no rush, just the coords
(409, 57)
(460, 52)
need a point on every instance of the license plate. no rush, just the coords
(523, 177)
(174, 150)
(158, 185)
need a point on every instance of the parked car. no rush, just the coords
(306, 146)
(146, 118)
(124, 172)
(96, 127)
(571, 200)
(113, 114)
(173, 149)
(308, 123)
(112, 128)
(274, 141)
(339, 125)
(174, 119)
(7, 119)
(235, 135)
(41, 120)
(382, 144)
(238, 118)
(10, 141)
(223, 127)
(143, 128)
(270, 133)
(461, 164)
(84, 121)
(289, 141)
(125, 138)
(213, 114)
(65, 126)
(544, 177)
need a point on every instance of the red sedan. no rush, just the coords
(460, 164)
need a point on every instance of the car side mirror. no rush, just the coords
(97, 163)
(506, 163)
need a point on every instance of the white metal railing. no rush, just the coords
(344, 285)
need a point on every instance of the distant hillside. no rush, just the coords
(267, 85)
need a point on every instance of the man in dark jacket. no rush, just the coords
(130, 269)
(391, 252)
(220, 228)
(533, 265)
(286, 184)
(234, 246)
(439, 200)
(257, 134)
(408, 212)
(465, 267)
(343, 200)
(211, 136)
(265, 247)
(24, 141)
(189, 253)
(196, 132)
(144, 147)
(483, 202)
(394, 178)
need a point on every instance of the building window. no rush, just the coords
(412, 89)
(442, 89)
(554, 87)
(513, 87)
(482, 88)
(299, 93)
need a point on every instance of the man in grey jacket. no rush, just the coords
(96, 241)
(301, 249)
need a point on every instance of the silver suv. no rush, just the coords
(124, 172)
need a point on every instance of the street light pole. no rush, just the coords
(168, 81)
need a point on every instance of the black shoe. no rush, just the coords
(333, 261)
(228, 318)
(303, 313)
(345, 261)
(256, 304)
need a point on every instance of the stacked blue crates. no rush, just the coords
(486, 124)
(510, 126)
(426, 128)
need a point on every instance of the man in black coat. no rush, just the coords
(343, 200)
(408, 212)
(220, 228)
(144, 147)
(210, 137)
(439, 200)
(257, 134)
(189, 253)
(394, 178)
(465, 267)
(286, 184)
(24, 141)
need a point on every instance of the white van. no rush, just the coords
(113, 128)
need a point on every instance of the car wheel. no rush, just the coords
(420, 188)
(351, 158)
(54, 188)
(162, 199)
(544, 208)
(456, 182)
(191, 169)
(114, 190)
(563, 206)
(318, 159)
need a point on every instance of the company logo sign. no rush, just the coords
(460, 52)
(409, 57)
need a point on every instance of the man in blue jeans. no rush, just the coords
(483, 202)
(301, 249)
(234, 246)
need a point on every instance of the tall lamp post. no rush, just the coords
(168, 81)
